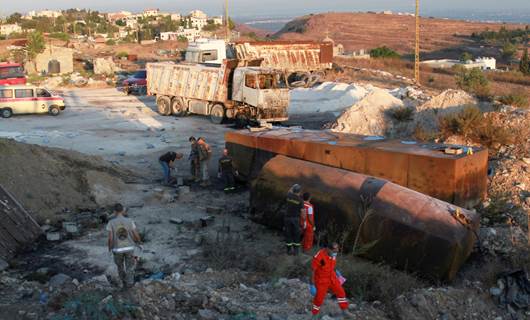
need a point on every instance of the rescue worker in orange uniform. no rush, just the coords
(325, 279)
(308, 223)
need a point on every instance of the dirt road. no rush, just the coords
(122, 129)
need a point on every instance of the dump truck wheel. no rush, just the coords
(164, 105)
(217, 114)
(54, 111)
(6, 113)
(177, 107)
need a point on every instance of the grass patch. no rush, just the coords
(500, 202)
(518, 100)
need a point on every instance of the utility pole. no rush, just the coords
(227, 22)
(417, 51)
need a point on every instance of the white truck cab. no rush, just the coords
(206, 51)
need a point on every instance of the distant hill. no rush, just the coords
(369, 30)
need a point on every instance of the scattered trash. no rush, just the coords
(157, 276)
(513, 290)
(176, 221)
(53, 236)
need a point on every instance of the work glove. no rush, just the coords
(312, 289)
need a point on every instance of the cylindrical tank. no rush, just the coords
(399, 226)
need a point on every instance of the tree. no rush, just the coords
(35, 46)
(14, 18)
(383, 52)
(508, 51)
(466, 56)
(524, 65)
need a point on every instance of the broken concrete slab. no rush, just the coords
(176, 221)
(53, 236)
(214, 210)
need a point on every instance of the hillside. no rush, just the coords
(368, 30)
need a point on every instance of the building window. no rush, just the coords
(23, 93)
(6, 93)
(209, 55)
(250, 81)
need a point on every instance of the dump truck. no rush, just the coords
(233, 90)
(302, 62)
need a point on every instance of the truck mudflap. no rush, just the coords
(382, 220)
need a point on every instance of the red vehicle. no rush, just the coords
(136, 83)
(11, 74)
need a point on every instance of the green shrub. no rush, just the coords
(402, 114)
(122, 54)
(110, 42)
(383, 52)
(473, 81)
(518, 100)
(492, 135)
(460, 123)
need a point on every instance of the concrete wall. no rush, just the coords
(65, 56)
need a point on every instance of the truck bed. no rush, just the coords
(188, 80)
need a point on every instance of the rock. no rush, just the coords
(105, 66)
(526, 160)
(326, 317)
(100, 280)
(3, 265)
(106, 300)
(495, 291)
(207, 314)
(59, 279)
(527, 201)
(75, 282)
(214, 210)
(184, 190)
(176, 221)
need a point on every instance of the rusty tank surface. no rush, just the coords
(396, 225)
(425, 167)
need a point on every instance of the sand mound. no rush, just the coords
(447, 102)
(326, 97)
(49, 182)
(369, 116)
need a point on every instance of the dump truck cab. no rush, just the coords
(206, 51)
(263, 88)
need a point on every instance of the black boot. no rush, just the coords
(289, 250)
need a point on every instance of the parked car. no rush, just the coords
(27, 99)
(136, 83)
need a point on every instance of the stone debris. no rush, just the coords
(105, 66)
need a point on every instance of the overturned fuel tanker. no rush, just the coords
(384, 221)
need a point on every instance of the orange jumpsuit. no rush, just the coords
(326, 279)
(308, 224)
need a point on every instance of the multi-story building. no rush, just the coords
(198, 23)
(176, 17)
(151, 12)
(121, 15)
(45, 13)
(198, 14)
(218, 20)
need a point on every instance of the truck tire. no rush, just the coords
(177, 107)
(217, 114)
(164, 105)
(6, 113)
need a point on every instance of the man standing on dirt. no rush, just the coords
(205, 153)
(226, 171)
(194, 159)
(325, 278)
(167, 162)
(123, 236)
(308, 223)
(293, 215)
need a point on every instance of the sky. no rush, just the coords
(271, 8)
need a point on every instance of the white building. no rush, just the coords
(484, 63)
(198, 14)
(218, 20)
(7, 29)
(198, 23)
(176, 17)
(190, 34)
(131, 23)
(45, 13)
(165, 36)
(113, 16)
(151, 12)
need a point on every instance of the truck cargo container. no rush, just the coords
(425, 167)
(233, 90)
(303, 61)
